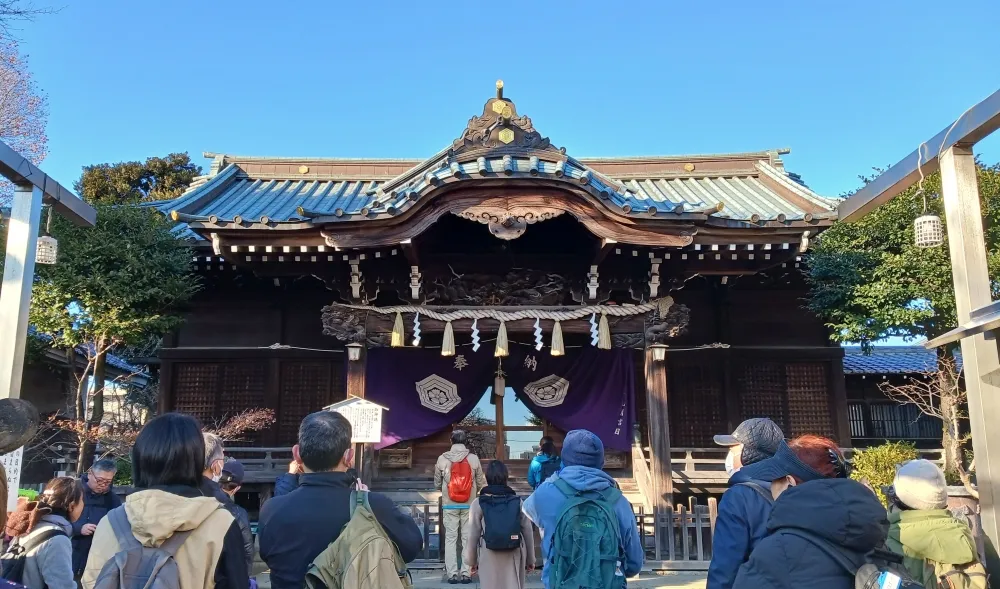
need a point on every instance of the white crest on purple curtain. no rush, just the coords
(548, 391)
(438, 394)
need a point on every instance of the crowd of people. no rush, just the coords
(791, 517)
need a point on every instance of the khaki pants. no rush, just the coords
(456, 521)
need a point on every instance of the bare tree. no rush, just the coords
(940, 394)
(14, 11)
(24, 109)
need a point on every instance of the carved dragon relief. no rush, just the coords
(500, 127)
(510, 222)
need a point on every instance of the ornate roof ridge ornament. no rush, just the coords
(500, 127)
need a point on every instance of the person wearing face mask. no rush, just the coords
(295, 528)
(745, 506)
(230, 483)
(822, 526)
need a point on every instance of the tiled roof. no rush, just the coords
(750, 194)
(891, 360)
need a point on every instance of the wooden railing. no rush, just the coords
(642, 475)
(261, 465)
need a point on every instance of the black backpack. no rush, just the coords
(501, 521)
(12, 566)
(882, 567)
(549, 468)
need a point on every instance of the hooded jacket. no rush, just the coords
(818, 535)
(442, 474)
(49, 564)
(741, 523)
(95, 507)
(545, 505)
(931, 534)
(295, 528)
(535, 470)
(212, 556)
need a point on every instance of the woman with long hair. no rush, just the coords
(41, 531)
(167, 463)
(822, 525)
(501, 539)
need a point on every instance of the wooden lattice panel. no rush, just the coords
(808, 399)
(304, 388)
(762, 392)
(242, 389)
(697, 406)
(195, 386)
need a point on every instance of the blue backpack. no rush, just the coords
(587, 548)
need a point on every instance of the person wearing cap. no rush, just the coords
(822, 524)
(921, 528)
(583, 459)
(230, 482)
(746, 505)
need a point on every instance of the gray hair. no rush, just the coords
(213, 450)
(459, 437)
(105, 465)
(324, 437)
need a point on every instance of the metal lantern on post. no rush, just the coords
(927, 229)
(659, 352)
(47, 249)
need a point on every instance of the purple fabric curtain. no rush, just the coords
(425, 391)
(587, 388)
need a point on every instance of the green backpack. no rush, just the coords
(963, 576)
(587, 548)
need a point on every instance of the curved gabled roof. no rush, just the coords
(499, 148)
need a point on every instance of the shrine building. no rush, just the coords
(506, 287)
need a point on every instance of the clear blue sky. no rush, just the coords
(846, 85)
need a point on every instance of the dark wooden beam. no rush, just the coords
(838, 402)
(659, 432)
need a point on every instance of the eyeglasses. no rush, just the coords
(101, 481)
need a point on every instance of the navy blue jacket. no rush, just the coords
(841, 520)
(95, 507)
(285, 484)
(740, 525)
(296, 527)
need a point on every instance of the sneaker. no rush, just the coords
(453, 580)
(466, 579)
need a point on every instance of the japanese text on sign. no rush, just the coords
(366, 422)
(12, 464)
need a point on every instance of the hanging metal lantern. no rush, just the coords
(928, 231)
(47, 248)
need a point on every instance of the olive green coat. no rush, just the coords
(929, 534)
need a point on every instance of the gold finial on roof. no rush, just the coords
(499, 89)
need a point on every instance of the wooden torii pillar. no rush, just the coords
(950, 151)
(32, 188)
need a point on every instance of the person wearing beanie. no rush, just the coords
(743, 511)
(583, 459)
(921, 528)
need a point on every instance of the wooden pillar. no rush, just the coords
(356, 388)
(981, 363)
(838, 402)
(659, 432)
(15, 294)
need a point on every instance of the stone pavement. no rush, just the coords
(432, 579)
(648, 580)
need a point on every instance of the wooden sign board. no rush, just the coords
(365, 418)
(12, 464)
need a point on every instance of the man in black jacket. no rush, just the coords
(296, 527)
(215, 461)
(98, 499)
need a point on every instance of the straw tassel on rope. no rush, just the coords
(397, 332)
(448, 340)
(604, 334)
(558, 349)
(503, 346)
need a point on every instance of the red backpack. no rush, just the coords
(460, 484)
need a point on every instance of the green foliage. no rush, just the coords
(868, 280)
(115, 283)
(877, 464)
(158, 178)
(123, 476)
(27, 494)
